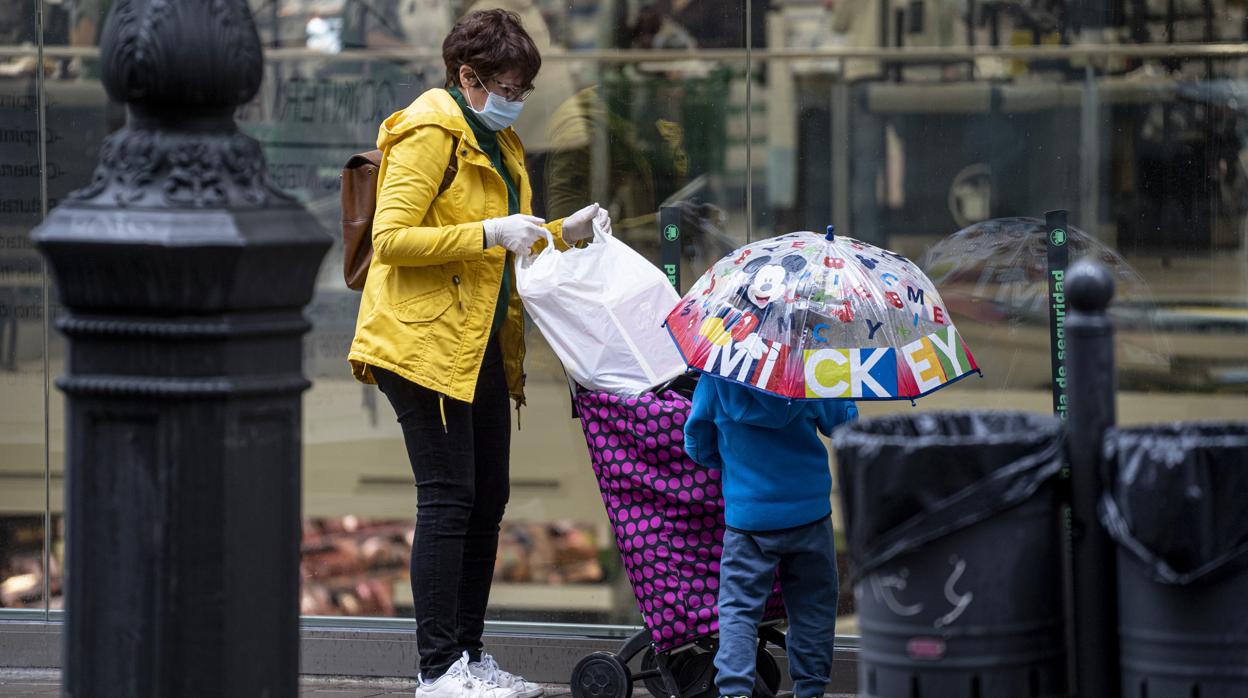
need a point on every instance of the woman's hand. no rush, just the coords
(517, 232)
(580, 225)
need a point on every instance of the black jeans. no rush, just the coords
(462, 486)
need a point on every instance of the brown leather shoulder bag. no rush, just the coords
(359, 203)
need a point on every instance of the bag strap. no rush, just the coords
(374, 158)
(452, 167)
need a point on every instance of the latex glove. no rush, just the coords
(602, 221)
(517, 232)
(580, 225)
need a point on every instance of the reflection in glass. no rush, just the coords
(631, 138)
(995, 274)
(639, 140)
(1148, 155)
(24, 568)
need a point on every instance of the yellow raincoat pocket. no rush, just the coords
(425, 307)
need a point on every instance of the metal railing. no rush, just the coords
(1073, 52)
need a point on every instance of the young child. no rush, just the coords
(777, 501)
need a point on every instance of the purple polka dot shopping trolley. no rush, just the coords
(668, 517)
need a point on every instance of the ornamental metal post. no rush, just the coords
(1091, 400)
(183, 272)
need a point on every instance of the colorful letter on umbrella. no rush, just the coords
(810, 316)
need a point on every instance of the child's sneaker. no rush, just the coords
(488, 670)
(458, 682)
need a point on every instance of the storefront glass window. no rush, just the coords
(24, 566)
(744, 120)
(1147, 155)
(631, 135)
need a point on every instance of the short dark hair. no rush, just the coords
(490, 42)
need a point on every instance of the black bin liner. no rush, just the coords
(1177, 498)
(1176, 502)
(955, 532)
(910, 479)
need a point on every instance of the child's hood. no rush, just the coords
(756, 408)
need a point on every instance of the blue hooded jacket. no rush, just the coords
(775, 467)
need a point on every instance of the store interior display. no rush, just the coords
(351, 566)
(359, 567)
(548, 553)
(22, 566)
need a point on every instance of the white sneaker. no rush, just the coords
(458, 682)
(488, 670)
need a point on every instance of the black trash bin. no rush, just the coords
(952, 522)
(1177, 505)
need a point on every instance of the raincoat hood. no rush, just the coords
(775, 466)
(435, 108)
(753, 407)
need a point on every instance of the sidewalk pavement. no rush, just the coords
(39, 682)
(30, 682)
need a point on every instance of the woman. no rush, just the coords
(441, 329)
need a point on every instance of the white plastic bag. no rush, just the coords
(602, 308)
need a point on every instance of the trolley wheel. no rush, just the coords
(601, 675)
(768, 671)
(694, 673)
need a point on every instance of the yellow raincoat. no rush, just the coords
(432, 288)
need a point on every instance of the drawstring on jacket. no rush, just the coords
(442, 409)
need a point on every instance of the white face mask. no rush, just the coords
(498, 113)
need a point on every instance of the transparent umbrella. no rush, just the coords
(810, 316)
